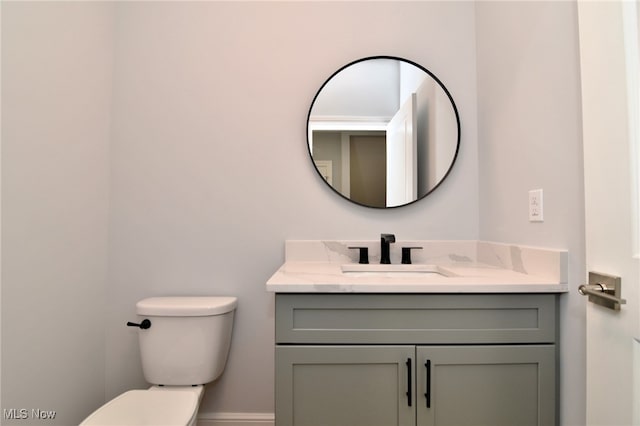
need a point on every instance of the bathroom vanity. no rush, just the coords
(466, 335)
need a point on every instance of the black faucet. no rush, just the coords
(385, 240)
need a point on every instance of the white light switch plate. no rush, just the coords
(536, 211)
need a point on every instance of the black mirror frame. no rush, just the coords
(436, 79)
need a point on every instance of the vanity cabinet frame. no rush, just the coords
(361, 359)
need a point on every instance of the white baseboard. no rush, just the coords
(236, 419)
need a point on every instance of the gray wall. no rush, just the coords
(530, 135)
(197, 160)
(56, 108)
(210, 170)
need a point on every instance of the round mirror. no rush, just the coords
(383, 132)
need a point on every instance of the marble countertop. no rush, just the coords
(469, 267)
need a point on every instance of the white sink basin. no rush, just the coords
(395, 270)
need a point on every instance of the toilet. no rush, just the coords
(184, 344)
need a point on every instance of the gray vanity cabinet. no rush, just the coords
(343, 385)
(487, 385)
(415, 360)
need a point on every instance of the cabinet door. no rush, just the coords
(345, 385)
(486, 385)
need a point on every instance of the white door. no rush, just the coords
(402, 155)
(609, 68)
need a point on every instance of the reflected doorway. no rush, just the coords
(359, 161)
(368, 160)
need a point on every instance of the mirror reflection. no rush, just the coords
(383, 132)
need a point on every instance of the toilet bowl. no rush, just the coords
(168, 407)
(184, 344)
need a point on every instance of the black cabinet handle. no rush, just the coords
(409, 396)
(427, 394)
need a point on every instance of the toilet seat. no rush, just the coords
(166, 407)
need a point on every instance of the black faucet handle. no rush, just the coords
(388, 238)
(406, 254)
(364, 254)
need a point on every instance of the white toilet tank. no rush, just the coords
(188, 340)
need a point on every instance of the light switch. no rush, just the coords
(536, 211)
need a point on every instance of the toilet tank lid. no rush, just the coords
(186, 306)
